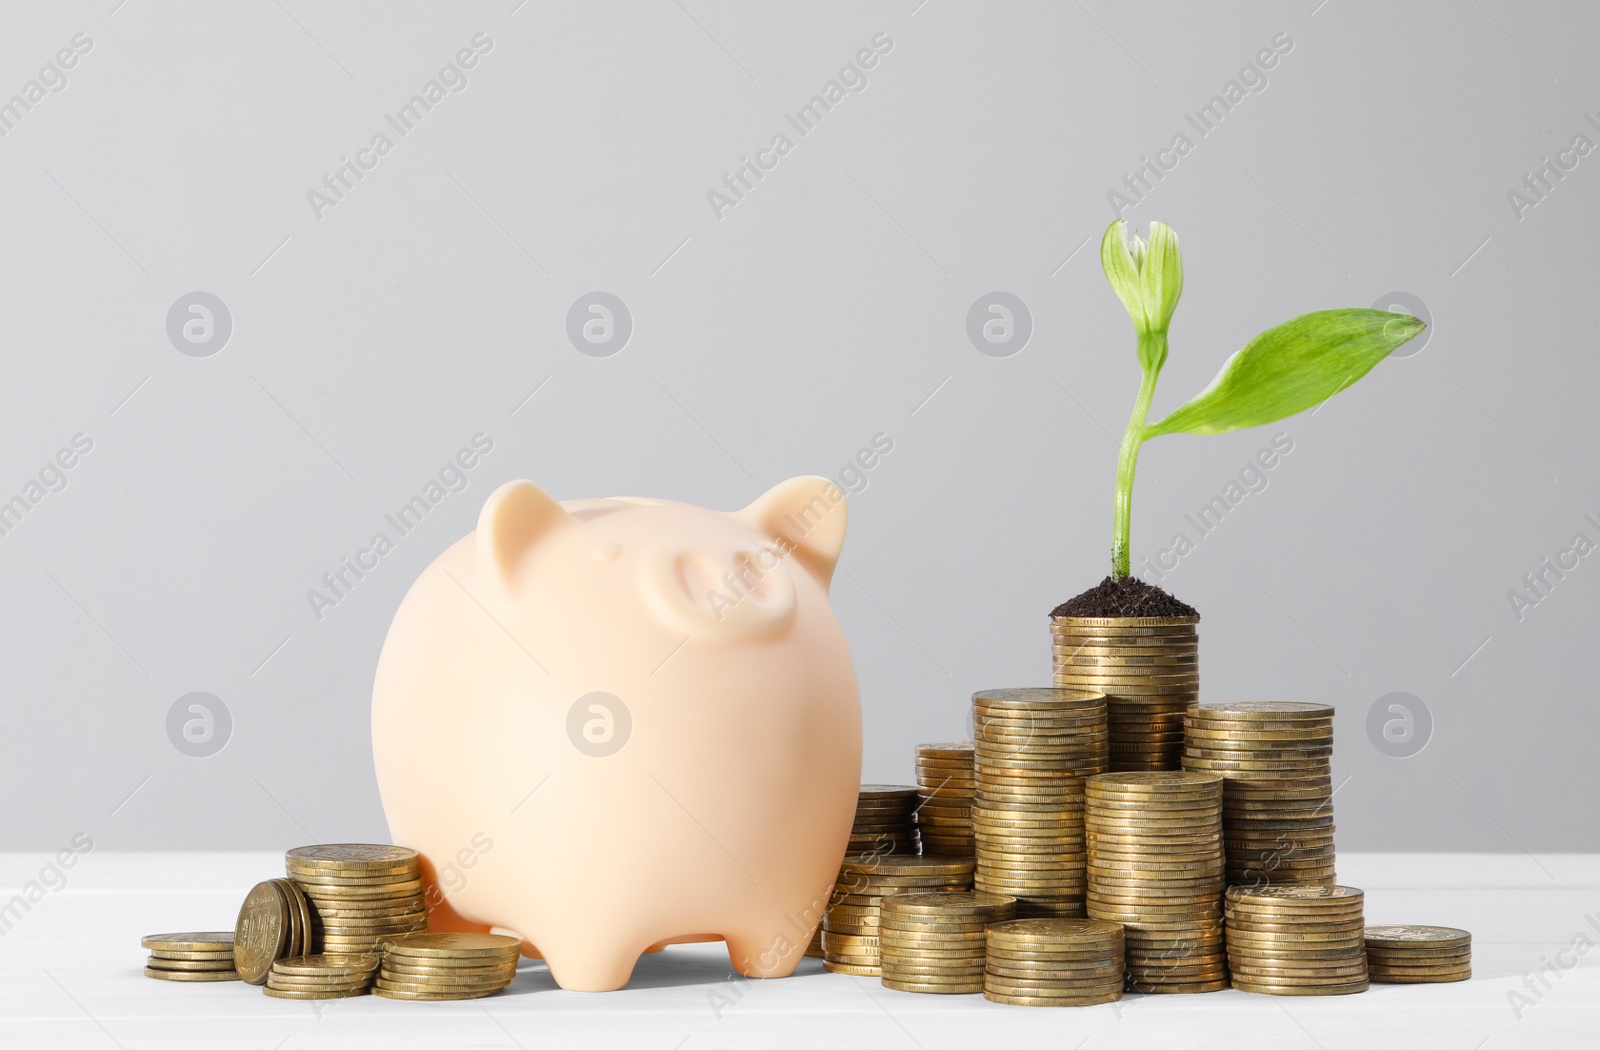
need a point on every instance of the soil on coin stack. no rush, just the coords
(1129, 596)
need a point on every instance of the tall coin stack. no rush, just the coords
(1149, 669)
(1296, 940)
(934, 942)
(946, 785)
(362, 894)
(1034, 749)
(1418, 954)
(1278, 800)
(851, 924)
(1054, 962)
(1155, 865)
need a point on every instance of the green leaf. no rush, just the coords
(1291, 368)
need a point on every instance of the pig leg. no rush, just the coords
(594, 960)
(761, 953)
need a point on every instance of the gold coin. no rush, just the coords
(295, 993)
(192, 965)
(399, 964)
(222, 956)
(351, 855)
(854, 969)
(386, 993)
(456, 945)
(437, 983)
(327, 984)
(960, 904)
(189, 942)
(191, 975)
(1404, 936)
(262, 932)
(325, 965)
(1383, 978)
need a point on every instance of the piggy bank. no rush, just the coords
(608, 725)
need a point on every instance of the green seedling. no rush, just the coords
(1284, 370)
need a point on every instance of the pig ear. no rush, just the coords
(806, 515)
(515, 517)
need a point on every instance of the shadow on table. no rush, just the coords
(663, 969)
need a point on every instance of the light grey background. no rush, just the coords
(371, 343)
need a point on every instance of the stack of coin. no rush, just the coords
(447, 966)
(321, 976)
(945, 787)
(363, 894)
(1155, 865)
(934, 942)
(814, 949)
(275, 921)
(886, 820)
(1278, 832)
(1148, 668)
(190, 957)
(1034, 748)
(1054, 962)
(1418, 954)
(850, 926)
(1296, 940)
(1279, 822)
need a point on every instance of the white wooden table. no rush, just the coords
(71, 975)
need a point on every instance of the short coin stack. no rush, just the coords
(1418, 954)
(850, 928)
(447, 966)
(274, 922)
(945, 787)
(1054, 962)
(1155, 865)
(363, 894)
(1148, 668)
(934, 942)
(321, 976)
(1279, 817)
(190, 957)
(1034, 748)
(886, 820)
(1296, 940)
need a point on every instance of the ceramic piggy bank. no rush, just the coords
(612, 724)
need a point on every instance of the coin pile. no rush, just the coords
(1034, 748)
(1278, 832)
(946, 785)
(321, 976)
(363, 894)
(1418, 954)
(851, 924)
(1279, 818)
(934, 942)
(1054, 962)
(1296, 940)
(190, 957)
(274, 921)
(886, 820)
(1155, 865)
(447, 966)
(1148, 668)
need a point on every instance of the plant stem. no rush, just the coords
(1152, 355)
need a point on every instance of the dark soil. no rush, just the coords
(1129, 596)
